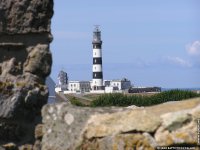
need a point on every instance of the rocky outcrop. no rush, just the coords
(169, 124)
(25, 62)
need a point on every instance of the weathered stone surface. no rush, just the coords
(22, 100)
(26, 147)
(38, 131)
(66, 122)
(169, 124)
(175, 125)
(37, 145)
(1, 148)
(25, 16)
(120, 142)
(39, 61)
(25, 62)
(10, 146)
(102, 125)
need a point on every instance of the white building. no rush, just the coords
(78, 86)
(123, 84)
(110, 89)
(111, 86)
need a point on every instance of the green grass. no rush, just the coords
(91, 96)
(75, 101)
(118, 99)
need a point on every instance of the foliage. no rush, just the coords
(75, 101)
(118, 99)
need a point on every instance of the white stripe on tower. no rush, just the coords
(97, 81)
(97, 68)
(97, 52)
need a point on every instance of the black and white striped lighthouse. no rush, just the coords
(97, 81)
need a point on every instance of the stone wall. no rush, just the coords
(171, 124)
(25, 62)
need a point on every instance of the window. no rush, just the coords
(95, 75)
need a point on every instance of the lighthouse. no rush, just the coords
(97, 73)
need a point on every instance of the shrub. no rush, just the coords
(118, 99)
(76, 102)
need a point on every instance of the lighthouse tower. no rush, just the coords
(97, 81)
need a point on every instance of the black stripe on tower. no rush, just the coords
(96, 46)
(97, 60)
(97, 75)
(97, 42)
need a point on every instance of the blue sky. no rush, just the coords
(150, 42)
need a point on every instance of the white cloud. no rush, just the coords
(179, 61)
(194, 48)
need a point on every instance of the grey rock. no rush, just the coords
(39, 132)
(25, 62)
(22, 100)
(66, 122)
(39, 61)
(1, 148)
(173, 121)
(25, 16)
(37, 145)
(68, 127)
